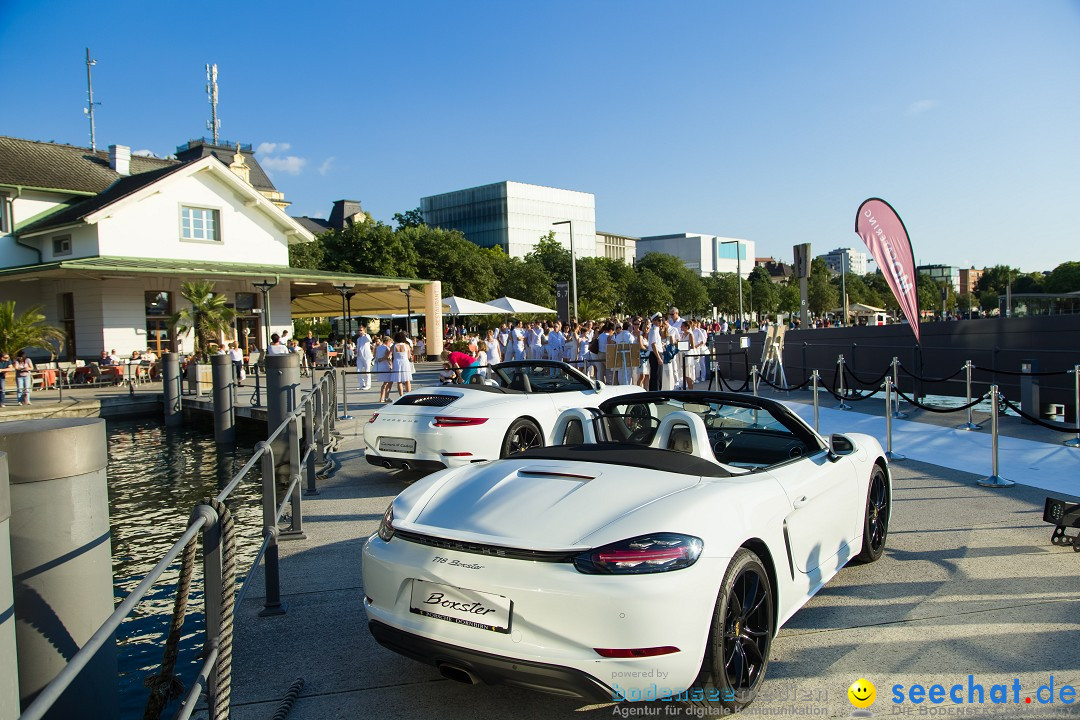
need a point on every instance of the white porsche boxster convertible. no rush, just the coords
(447, 426)
(654, 556)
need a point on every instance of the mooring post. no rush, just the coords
(170, 378)
(221, 368)
(282, 392)
(9, 666)
(61, 560)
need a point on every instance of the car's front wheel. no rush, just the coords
(740, 636)
(876, 522)
(522, 435)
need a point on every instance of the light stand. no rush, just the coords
(573, 264)
(265, 287)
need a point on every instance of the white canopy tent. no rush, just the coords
(509, 305)
(463, 306)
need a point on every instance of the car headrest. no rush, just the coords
(520, 381)
(684, 431)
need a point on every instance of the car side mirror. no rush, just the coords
(840, 445)
(597, 385)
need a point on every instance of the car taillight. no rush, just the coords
(373, 416)
(660, 552)
(386, 525)
(636, 652)
(445, 421)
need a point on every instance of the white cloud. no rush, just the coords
(289, 164)
(144, 153)
(327, 164)
(920, 106)
(266, 148)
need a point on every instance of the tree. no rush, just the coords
(687, 290)
(996, 278)
(822, 296)
(19, 332)
(595, 287)
(445, 255)
(1064, 278)
(765, 293)
(789, 298)
(208, 316)
(552, 256)
(648, 294)
(409, 219)
(369, 248)
(308, 255)
(525, 280)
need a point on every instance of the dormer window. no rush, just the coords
(200, 223)
(61, 245)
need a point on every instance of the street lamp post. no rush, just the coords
(265, 287)
(843, 284)
(738, 274)
(344, 289)
(573, 264)
(406, 290)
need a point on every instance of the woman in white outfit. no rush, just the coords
(494, 349)
(363, 360)
(401, 365)
(669, 375)
(383, 353)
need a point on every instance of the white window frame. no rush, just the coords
(216, 214)
(6, 213)
(61, 238)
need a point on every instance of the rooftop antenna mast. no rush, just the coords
(211, 92)
(90, 92)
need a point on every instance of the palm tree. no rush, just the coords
(209, 316)
(18, 332)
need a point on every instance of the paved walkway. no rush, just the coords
(969, 585)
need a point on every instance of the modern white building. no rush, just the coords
(846, 260)
(102, 242)
(514, 216)
(704, 254)
(616, 247)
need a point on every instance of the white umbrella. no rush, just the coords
(513, 305)
(464, 306)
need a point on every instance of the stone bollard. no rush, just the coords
(224, 422)
(9, 666)
(61, 558)
(170, 378)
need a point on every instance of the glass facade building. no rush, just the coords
(514, 216)
(704, 254)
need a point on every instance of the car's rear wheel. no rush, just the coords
(522, 435)
(740, 636)
(876, 524)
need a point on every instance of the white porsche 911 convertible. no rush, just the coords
(653, 551)
(447, 426)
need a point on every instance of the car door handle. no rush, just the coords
(800, 502)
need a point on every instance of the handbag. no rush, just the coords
(643, 355)
(670, 351)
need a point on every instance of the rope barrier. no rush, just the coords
(930, 380)
(931, 408)
(868, 384)
(166, 686)
(1039, 421)
(800, 386)
(290, 697)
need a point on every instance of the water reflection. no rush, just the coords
(157, 474)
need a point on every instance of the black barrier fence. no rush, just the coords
(999, 349)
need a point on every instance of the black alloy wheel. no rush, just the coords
(740, 636)
(522, 435)
(876, 525)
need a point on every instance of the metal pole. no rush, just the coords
(344, 396)
(843, 405)
(994, 480)
(889, 454)
(970, 424)
(1075, 442)
(310, 444)
(896, 385)
(170, 379)
(738, 273)
(573, 264)
(90, 95)
(754, 379)
(816, 377)
(272, 604)
(224, 421)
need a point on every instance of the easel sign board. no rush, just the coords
(621, 356)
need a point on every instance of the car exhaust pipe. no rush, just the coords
(453, 672)
(406, 466)
(388, 465)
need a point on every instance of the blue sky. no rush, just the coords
(770, 121)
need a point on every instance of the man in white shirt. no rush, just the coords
(555, 342)
(517, 337)
(535, 337)
(276, 348)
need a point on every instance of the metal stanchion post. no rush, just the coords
(345, 396)
(816, 377)
(754, 379)
(969, 425)
(889, 454)
(1075, 442)
(896, 386)
(994, 480)
(843, 405)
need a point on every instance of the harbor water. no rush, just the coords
(157, 474)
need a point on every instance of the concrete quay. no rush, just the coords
(969, 585)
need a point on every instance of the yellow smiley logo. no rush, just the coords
(862, 693)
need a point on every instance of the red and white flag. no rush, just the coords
(886, 237)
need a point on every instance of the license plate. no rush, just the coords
(401, 445)
(458, 605)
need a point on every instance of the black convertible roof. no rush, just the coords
(629, 454)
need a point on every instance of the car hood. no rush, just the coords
(531, 504)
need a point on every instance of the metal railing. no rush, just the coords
(308, 432)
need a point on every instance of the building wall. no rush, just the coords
(704, 254)
(25, 206)
(856, 261)
(616, 247)
(942, 273)
(150, 228)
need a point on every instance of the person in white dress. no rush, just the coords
(494, 348)
(383, 358)
(670, 376)
(555, 341)
(484, 369)
(401, 363)
(689, 365)
(363, 360)
(642, 337)
(701, 339)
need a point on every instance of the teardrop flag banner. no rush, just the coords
(886, 237)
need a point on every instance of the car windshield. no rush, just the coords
(540, 377)
(735, 434)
